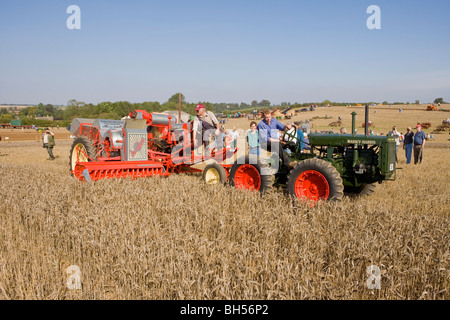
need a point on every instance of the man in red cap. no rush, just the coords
(205, 125)
(419, 144)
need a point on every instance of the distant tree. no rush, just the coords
(254, 103)
(264, 103)
(75, 103)
(58, 114)
(417, 102)
(49, 109)
(438, 100)
(244, 105)
(32, 112)
(174, 98)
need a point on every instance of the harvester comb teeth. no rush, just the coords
(86, 175)
(94, 171)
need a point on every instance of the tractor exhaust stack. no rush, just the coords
(366, 125)
(353, 123)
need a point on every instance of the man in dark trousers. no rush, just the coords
(48, 142)
(419, 144)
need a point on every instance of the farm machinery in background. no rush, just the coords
(149, 144)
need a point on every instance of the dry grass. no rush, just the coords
(176, 238)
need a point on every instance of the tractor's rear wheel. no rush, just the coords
(82, 150)
(250, 173)
(214, 173)
(315, 179)
(363, 190)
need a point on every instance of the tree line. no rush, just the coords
(117, 110)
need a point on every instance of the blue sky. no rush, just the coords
(224, 51)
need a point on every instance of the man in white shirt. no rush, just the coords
(396, 135)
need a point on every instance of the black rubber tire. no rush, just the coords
(364, 190)
(267, 178)
(221, 171)
(90, 151)
(326, 169)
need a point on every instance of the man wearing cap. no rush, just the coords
(48, 140)
(205, 125)
(419, 144)
(408, 144)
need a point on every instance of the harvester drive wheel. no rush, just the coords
(250, 173)
(315, 179)
(82, 150)
(214, 173)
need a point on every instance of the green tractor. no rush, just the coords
(336, 164)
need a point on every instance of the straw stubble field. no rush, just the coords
(176, 238)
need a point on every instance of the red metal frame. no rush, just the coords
(158, 163)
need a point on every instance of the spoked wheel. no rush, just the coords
(251, 174)
(82, 151)
(315, 180)
(214, 173)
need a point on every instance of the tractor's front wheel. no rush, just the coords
(315, 179)
(250, 173)
(214, 173)
(82, 150)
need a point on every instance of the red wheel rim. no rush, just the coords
(313, 185)
(247, 177)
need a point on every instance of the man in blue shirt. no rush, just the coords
(419, 144)
(269, 137)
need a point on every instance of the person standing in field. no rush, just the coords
(396, 135)
(419, 144)
(253, 139)
(48, 142)
(205, 125)
(235, 136)
(408, 144)
(301, 138)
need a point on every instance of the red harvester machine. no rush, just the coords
(143, 145)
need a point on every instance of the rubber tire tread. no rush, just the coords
(326, 169)
(221, 170)
(368, 189)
